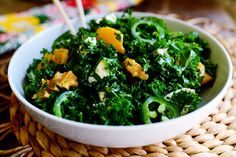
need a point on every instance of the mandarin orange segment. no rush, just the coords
(111, 36)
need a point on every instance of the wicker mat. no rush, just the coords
(215, 136)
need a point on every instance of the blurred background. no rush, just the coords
(219, 10)
(21, 19)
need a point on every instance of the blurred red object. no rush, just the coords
(86, 3)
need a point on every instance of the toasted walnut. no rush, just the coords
(43, 94)
(202, 73)
(135, 69)
(60, 56)
(48, 56)
(43, 91)
(207, 78)
(65, 80)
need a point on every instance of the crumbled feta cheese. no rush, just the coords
(91, 40)
(162, 51)
(101, 96)
(91, 79)
(102, 69)
(111, 17)
(98, 20)
(188, 90)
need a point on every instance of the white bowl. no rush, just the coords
(120, 136)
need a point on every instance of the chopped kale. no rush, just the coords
(110, 92)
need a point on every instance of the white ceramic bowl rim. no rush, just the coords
(105, 127)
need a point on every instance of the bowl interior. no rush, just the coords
(25, 54)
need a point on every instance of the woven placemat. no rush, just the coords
(214, 137)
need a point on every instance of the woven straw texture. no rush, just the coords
(214, 137)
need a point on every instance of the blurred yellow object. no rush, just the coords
(38, 28)
(15, 23)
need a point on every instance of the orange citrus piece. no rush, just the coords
(111, 36)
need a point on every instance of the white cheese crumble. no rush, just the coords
(101, 69)
(91, 40)
(111, 17)
(101, 96)
(188, 90)
(91, 79)
(162, 51)
(98, 20)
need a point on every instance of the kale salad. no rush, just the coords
(123, 70)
